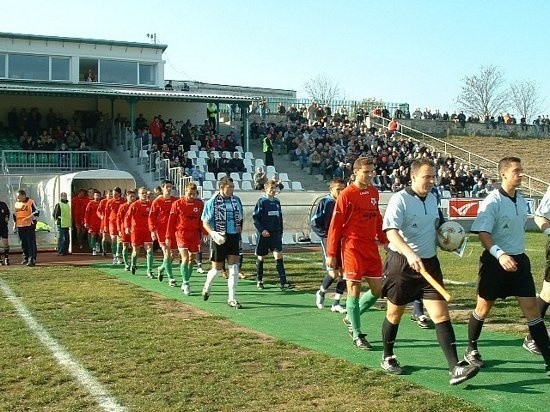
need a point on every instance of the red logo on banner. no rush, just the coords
(463, 207)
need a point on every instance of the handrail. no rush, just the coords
(472, 159)
(17, 161)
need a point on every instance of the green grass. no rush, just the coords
(156, 353)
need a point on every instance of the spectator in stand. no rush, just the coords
(480, 188)
(397, 185)
(187, 164)
(461, 119)
(385, 182)
(315, 163)
(224, 164)
(267, 149)
(260, 178)
(302, 155)
(198, 175)
(393, 127)
(212, 164)
(155, 129)
(236, 164)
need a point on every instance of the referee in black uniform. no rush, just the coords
(505, 269)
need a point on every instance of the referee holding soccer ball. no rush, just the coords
(505, 269)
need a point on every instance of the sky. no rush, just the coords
(405, 51)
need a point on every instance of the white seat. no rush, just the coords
(296, 186)
(206, 194)
(216, 154)
(228, 154)
(286, 185)
(283, 177)
(259, 163)
(239, 154)
(248, 165)
(208, 185)
(193, 148)
(240, 150)
(249, 155)
(270, 176)
(203, 155)
(446, 194)
(288, 239)
(235, 176)
(247, 176)
(237, 186)
(270, 169)
(246, 185)
(201, 161)
(209, 176)
(197, 143)
(220, 175)
(191, 154)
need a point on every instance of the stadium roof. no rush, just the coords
(20, 36)
(106, 92)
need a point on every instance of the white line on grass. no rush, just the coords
(102, 397)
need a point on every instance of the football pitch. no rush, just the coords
(106, 340)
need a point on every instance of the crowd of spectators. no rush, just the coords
(55, 132)
(331, 148)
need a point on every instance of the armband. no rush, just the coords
(547, 231)
(496, 251)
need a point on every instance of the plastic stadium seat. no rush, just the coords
(220, 175)
(206, 194)
(247, 176)
(201, 161)
(259, 163)
(235, 176)
(284, 177)
(193, 148)
(208, 185)
(191, 154)
(237, 186)
(203, 154)
(248, 155)
(209, 176)
(270, 169)
(296, 186)
(246, 185)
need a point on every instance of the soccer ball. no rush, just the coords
(450, 235)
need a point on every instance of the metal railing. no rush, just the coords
(532, 185)
(43, 161)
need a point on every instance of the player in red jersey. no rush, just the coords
(78, 210)
(123, 237)
(92, 222)
(111, 210)
(104, 227)
(185, 226)
(355, 228)
(158, 222)
(136, 224)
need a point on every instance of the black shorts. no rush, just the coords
(4, 233)
(401, 284)
(547, 269)
(229, 248)
(494, 282)
(273, 243)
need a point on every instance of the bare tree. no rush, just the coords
(525, 98)
(322, 89)
(484, 93)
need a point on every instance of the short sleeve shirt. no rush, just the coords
(504, 218)
(416, 219)
(544, 206)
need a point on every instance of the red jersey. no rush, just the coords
(101, 209)
(121, 214)
(137, 217)
(111, 209)
(185, 216)
(91, 219)
(160, 212)
(356, 219)
(78, 208)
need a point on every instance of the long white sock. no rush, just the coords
(210, 276)
(232, 281)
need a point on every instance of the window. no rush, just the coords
(147, 74)
(2, 65)
(112, 71)
(87, 71)
(60, 68)
(22, 66)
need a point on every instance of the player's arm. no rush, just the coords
(334, 235)
(415, 262)
(506, 261)
(543, 224)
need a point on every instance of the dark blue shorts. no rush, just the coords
(273, 243)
